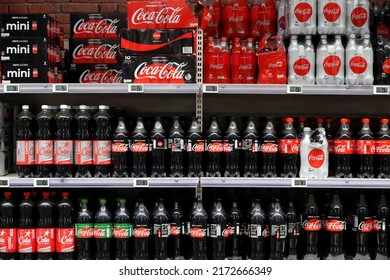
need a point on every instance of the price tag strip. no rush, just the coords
(60, 88)
(4, 183)
(298, 182)
(141, 183)
(210, 88)
(11, 88)
(136, 88)
(41, 183)
(295, 89)
(381, 90)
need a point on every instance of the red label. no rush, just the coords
(110, 76)
(365, 226)
(376, 225)
(316, 158)
(44, 151)
(141, 233)
(344, 147)
(65, 240)
(103, 53)
(26, 241)
(383, 30)
(156, 35)
(101, 152)
(332, 11)
(382, 147)
(303, 12)
(63, 152)
(359, 16)
(301, 67)
(312, 225)
(198, 232)
(269, 148)
(216, 147)
(198, 147)
(45, 240)
(332, 65)
(282, 22)
(8, 241)
(263, 19)
(139, 147)
(358, 64)
(96, 28)
(83, 152)
(175, 231)
(289, 146)
(386, 66)
(334, 225)
(119, 147)
(331, 146)
(365, 147)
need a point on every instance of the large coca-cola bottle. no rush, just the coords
(365, 148)
(214, 149)
(335, 226)
(236, 19)
(45, 232)
(84, 231)
(234, 242)
(161, 229)
(250, 148)
(195, 149)
(139, 149)
(102, 142)
(198, 229)
(344, 147)
(176, 148)
(122, 231)
(293, 229)
(177, 231)
(159, 146)
(214, 28)
(289, 149)
(120, 150)
(25, 144)
(232, 146)
(103, 231)
(382, 146)
(311, 226)
(218, 231)
(269, 149)
(257, 231)
(63, 143)
(142, 231)
(83, 143)
(262, 18)
(26, 231)
(8, 234)
(65, 234)
(380, 226)
(278, 224)
(362, 228)
(44, 143)
(330, 136)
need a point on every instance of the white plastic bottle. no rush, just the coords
(332, 17)
(359, 59)
(358, 17)
(302, 17)
(301, 61)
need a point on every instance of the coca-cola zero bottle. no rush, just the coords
(142, 231)
(197, 231)
(335, 226)
(195, 149)
(269, 149)
(250, 149)
(257, 231)
(218, 231)
(231, 147)
(139, 149)
(177, 230)
(161, 229)
(176, 148)
(214, 149)
(311, 226)
(159, 147)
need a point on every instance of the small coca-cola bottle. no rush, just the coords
(26, 232)
(102, 142)
(289, 149)
(330, 135)
(25, 144)
(382, 146)
(44, 144)
(159, 146)
(344, 147)
(195, 149)
(142, 231)
(257, 231)
(83, 144)
(139, 149)
(218, 231)
(197, 231)
(292, 232)
(365, 148)
(65, 234)
(231, 146)
(250, 149)
(269, 149)
(63, 143)
(362, 228)
(120, 150)
(176, 148)
(177, 231)
(122, 231)
(8, 234)
(103, 231)
(234, 242)
(214, 149)
(311, 226)
(161, 228)
(335, 226)
(84, 231)
(380, 226)
(45, 232)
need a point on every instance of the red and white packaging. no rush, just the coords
(45, 240)
(244, 62)
(102, 152)
(65, 240)
(8, 241)
(262, 18)
(302, 17)
(44, 151)
(83, 152)
(214, 28)
(63, 152)
(25, 152)
(332, 17)
(236, 19)
(358, 17)
(27, 240)
(95, 73)
(217, 61)
(301, 61)
(95, 51)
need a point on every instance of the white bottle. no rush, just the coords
(368, 52)
(332, 17)
(302, 17)
(359, 57)
(301, 61)
(358, 17)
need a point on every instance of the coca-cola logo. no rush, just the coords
(358, 64)
(216, 66)
(236, 19)
(359, 16)
(85, 150)
(43, 239)
(44, 150)
(383, 30)
(102, 53)
(63, 150)
(263, 23)
(382, 147)
(67, 238)
(168, 71)
(119, 148)
(334, 225)
(245, 67)
(98, 233)
(365, 226)
(110, 76)
(275, 65)
(332, 65)
(312, 225)
(332, 11)
(282, 22)
(225, 232)
(198, 233)
(269, 148)
(156, 36)
(386, 66)
(103, 26)
(85, 233)
(198, 147)
(121, 233)
(316, 158)
(139, 147)
(303, 11)
(165, 15)
(216, 147)
(104, 150)
(175, 231)
(301, 67)
(141, 233)
(23, 240)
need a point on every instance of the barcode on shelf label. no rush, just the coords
(136, 88)
(381, 90)
(41, 183)
(4, 183)
(298, 183)
(60, 88)
(210, 88)
(11, 88)
(187, 50)
(294, 89)
(141, 183)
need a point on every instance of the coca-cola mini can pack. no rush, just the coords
(95, 51)
(95, 73)
(105, 25)
(28, 72)
(159, 69)
(168, 41)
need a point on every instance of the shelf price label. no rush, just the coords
(60, 88)
(135, 88)
(210, 88)
(11, 88)
(41, 183)
(4, 183)
(298, 182)
(381, 90)
(296, 89)
(141, 183)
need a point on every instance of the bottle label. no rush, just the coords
(139, 147)
(365, 147)
(331, 146)
(215, 146)
(197, 232)
(279, 231)
(289, 146)
(292, 229)
(382, 147)
(8, 243)
(63, 152)
(25, 152)
(141, 232)
(44, 151)
(101, 152)
(120, 147)
(102, 231)
(215, 230)
(197, 147)
(176, 144)
(83, 152)
(231, 146)
(256, 231)
(26, 240)
(122, 230)
(335, 225)
(344, 147)
(65, 240)
(175, 230)
(312, 225)
(269, 148)
(332, 11)
(45, 240)
(161, 230)
(159, 144)
(303, 12)
(316, 158)
(359, 16)
(250, 145)
(379, 225)
(84, 230)
(365, 226)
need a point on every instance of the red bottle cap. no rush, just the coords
(384, 121)
(288, 120)
(65, 194)
(344, 120)
(26, 194)
(45, 194)
(365, 120)
(302, 119)
(320, 120)
(328, 120)
(7, 194)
